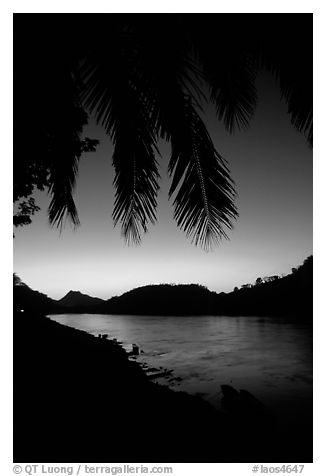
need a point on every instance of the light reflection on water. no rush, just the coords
(269, 357)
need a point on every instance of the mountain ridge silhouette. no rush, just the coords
(76, 298)
(288, 295)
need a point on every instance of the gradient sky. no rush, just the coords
(271, 164)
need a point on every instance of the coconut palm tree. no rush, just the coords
(146, 77)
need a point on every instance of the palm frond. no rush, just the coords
(113, 90)
(288, 56)
(301, 115)
(167, 70)
(204, 203)
(62, 179)
(65, 146)
(296, 89)
(222, 50)
(233, 91)
(136, 185)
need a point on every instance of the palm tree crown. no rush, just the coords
(143, 78)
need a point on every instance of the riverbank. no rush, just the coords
(78, 398)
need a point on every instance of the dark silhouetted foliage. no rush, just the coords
(143, 77)
(28, 300)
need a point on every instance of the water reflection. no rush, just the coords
(271, 358)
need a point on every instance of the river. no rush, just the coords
(271, 358)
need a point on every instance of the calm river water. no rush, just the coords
(271, 358)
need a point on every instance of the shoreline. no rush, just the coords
(151, 372)
(80, 398)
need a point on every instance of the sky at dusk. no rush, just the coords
(271, 165)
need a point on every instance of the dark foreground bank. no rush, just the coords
(78, 398)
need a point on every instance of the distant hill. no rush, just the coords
(164, 299)
(77, 299)
(291, 295)
(27, 299)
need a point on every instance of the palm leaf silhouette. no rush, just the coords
(65, 151)
(204, 198)
(290, 60)
(139, 97)
(204, 202)
(113, 92)
(233, 91)
(146, 77)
